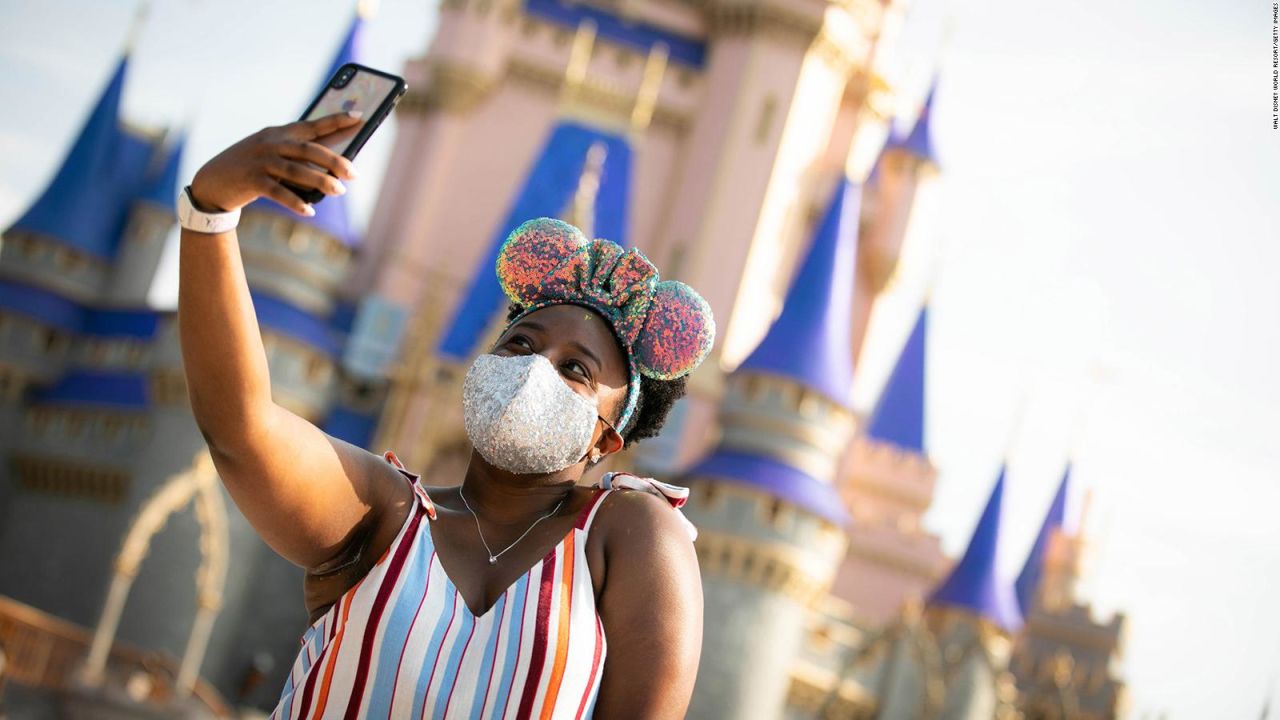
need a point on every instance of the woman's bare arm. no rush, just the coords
(651, 608)
(307, 494)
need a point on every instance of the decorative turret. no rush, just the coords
(68, 239)
(972, 615)
(150, 223)
(898, 419)
(897, 194)
(800, 374)
(771, 522)
(1065, 659)
(975, 584)
(1027, 586)
(83, 207)
(918, 141)
(887, 482)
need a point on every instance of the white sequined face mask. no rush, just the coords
(521, 416)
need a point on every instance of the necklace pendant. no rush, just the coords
(493, 560)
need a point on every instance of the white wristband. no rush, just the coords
(202, 222)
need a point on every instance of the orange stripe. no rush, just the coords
(333, 656)
(562, 638)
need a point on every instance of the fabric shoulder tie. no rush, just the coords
(675, 495)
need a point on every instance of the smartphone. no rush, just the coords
(353, 87)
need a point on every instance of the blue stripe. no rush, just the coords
(490, 650)
(642, 36)
(460, 644)
(508, 669)
(433, 649)
(398, 626)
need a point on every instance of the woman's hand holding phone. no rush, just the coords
(256, 166)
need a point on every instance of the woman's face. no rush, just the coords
(580, 345)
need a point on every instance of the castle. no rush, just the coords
(747, 148)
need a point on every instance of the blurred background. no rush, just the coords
(988, 428)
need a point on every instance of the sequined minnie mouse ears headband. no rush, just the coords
(665, 327)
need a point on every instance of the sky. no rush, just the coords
(1100, 251)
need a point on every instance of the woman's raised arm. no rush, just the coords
(310, 496)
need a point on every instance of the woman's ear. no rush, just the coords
(609, 442)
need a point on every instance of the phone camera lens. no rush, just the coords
(344, 76)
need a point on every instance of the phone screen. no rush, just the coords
(364, 92)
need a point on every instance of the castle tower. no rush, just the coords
(1030, 579)
(1065, 661)
(896, 204)
(972, 616)
(294, 266)
(151, 221)
(887, 482)
(94, 413)
(770, 520)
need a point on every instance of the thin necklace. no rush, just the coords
(493, 557)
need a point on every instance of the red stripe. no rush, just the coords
(461, 659)
(400, 663)
(539, 654)
(457, 600)
(585, 515)
(497, 646)
(375, 615)
(310, 687)
(591, 687)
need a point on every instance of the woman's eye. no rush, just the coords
(577, 368)
(520, 341)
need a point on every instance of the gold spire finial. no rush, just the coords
(582, 207)
(135, 28)
(655, 67)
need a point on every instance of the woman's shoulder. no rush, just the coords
(643, 510)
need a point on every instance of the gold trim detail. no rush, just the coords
(69, 479)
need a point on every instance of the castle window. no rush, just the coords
(776, 513)
(764, 123)
(299, 239)
(711, 495)
(52, 341)
(67, 479)
(318, 369)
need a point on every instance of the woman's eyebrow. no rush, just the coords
(586, 351)
(532, 325)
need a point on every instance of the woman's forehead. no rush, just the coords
(574, 323)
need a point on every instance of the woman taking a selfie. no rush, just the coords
(512, 591)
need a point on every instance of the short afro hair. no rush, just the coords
(657, 397)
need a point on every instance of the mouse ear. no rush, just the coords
(532, 252)
(678, 333)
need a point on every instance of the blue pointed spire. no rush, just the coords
(548, 188)
(1028, 582)
(919, 141)
(811, 340)
(162, 187)
(899, 415)
(333, 215)
(84, 205)
(975, 583)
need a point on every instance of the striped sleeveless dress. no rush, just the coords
(402, 643)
